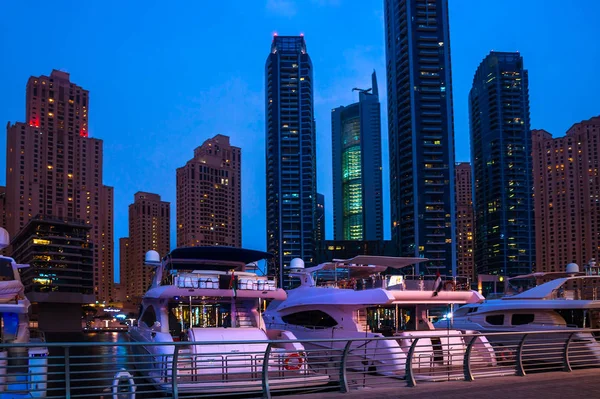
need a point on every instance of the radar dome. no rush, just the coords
(152, 256)
(572, 268)
(4, 238)
(297, 263)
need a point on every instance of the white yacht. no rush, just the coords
(351, 298)
(568, 302)
(205, 294)
(23, 371)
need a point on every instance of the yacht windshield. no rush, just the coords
(6, 270)
(184, 315)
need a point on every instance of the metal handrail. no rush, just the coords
(213, 343)
(74, 374)
(343, 365)
(410, 378)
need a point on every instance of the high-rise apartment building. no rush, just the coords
(357, 187)
(566, 180)
(290, 153)
(421, 131)
(502, 169)
(209, 196)
(3, 207)
(464, 221)
(55, 169)
(149, 222)
(320, 218)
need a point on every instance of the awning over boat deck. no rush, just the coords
(366, 265)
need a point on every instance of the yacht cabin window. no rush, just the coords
(519, 319)
(6, 270)
(183, 316)
(312, 319)
(149, 316)
(495, 320)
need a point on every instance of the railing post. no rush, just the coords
(567, 363)
(174, 385)
(67, 374)
(410, 377)
(265, 372)
(519, 362)
(467, 360)
(343, 374)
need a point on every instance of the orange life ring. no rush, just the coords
(506, 354)
(293, 361)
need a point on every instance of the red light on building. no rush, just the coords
(83, 133)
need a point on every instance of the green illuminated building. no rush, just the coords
(357, 188)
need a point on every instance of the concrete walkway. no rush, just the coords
(577, 384)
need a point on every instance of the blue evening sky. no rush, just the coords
(165, 76)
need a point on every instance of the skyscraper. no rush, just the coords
(421, 131)
(566, 179)
(502, 169)
(290, 153)
(464, 221)
(357, 187)
(209, 196)
(55, 169)
(149, 221)
(3, 206)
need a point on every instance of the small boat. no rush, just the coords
(353, 299)
(23, 371)
(205, 294)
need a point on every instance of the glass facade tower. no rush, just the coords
(357, 187)
(421, 131)
(502, 169)
(290, 154)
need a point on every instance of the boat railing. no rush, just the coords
(400, 283)
(286, 326)
(243, 281)
(585, 293)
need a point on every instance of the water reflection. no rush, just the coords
(92, 368)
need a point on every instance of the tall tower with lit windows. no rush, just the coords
(501, 147)
(54, 170)
(421, 131)
(149, 225)
(209, 195)
(290, 154)
(357, 187)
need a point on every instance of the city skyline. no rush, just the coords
(133, 166)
